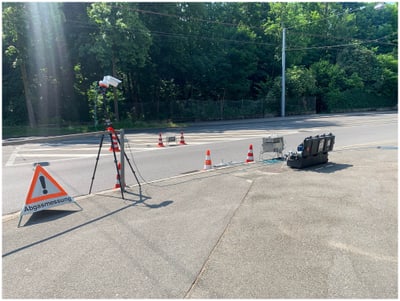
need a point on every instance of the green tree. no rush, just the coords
(34, 41)
(363, 63)
(121, 41)
(16, 50)
(300, 82)
(389, 75)
(85, 68)
(187, 59)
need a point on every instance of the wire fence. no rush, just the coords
(207, 110)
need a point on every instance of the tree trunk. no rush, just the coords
(28, 98)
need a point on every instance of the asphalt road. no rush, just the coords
(71, 161)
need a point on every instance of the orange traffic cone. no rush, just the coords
(118, 182)
(182, 142)
(160, 142)
(114, 142)
(250, 157)
(207, 162)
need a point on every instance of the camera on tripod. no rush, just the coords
(102, 89)
(107, 123)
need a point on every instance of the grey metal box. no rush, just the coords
(273, 144)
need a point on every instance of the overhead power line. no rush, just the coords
(324, 47)
(184, 17)
(323, 19)
(226, 40)
(178, 35)
(354, 42)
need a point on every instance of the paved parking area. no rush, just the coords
(326, 232)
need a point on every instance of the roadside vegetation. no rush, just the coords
(186, 62)
(46, 130)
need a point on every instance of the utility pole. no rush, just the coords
(283, 100)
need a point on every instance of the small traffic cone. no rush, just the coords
(250, 157)
(114, 142)
(118, 182)
(207, 162)
(182, 142)
(160, 142)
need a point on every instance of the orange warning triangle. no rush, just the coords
(43, 187)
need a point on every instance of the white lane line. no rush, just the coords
(59, 149)
(13, 156)
(54, 160)
(58, 155)
(143, 144)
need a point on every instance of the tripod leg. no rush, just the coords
(97, 161)
(116, 166)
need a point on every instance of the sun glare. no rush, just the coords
(48, 56)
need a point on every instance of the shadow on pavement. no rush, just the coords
(47, 215)
(329, 167)
(142, 201)
(50, 215)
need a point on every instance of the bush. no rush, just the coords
(356, 99)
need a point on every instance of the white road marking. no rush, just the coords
(136, 143)
(58, 155)
(358, 251)
(14, 154)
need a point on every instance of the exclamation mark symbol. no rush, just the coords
(43, 182)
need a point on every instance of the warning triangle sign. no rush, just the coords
(44, 193)
(43, 187)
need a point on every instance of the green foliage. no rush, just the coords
(120, 34)
(194, 60)
(389, 76)
(356, 99)
(300, 81)
(99, 101)
(328, 76)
